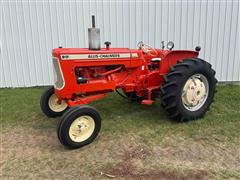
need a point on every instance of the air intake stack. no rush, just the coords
(94, 36)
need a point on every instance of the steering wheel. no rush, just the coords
(147, 49)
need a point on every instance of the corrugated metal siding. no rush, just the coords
(29, 30)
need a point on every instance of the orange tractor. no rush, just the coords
(184, 83)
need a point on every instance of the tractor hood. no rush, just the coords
(112, 56)
(84, 53)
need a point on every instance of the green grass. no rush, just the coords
(148, 124)
(120, 116)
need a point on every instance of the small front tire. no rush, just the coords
(79, 126)
(50, 104)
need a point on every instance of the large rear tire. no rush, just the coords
(188, 90)
(50, 104)
(79, 126)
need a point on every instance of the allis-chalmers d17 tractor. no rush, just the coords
(184, 83)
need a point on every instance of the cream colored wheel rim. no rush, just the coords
(195, 92)
(81, 128)
(54, 104)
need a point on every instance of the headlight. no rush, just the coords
(170, 45)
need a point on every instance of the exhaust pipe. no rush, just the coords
(94, 36)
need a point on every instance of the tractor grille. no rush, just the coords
(58, 76)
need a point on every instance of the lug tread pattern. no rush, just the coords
(169, 90)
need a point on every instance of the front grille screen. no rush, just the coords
(58, 76)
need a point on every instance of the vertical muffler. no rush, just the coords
(94, 36)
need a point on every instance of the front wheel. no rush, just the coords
(79, 126)
(50, 104)
(188, 90)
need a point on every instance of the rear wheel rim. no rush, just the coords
(195, 92)
(81, 128)
(55, 105)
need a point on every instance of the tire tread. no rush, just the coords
(172, 83)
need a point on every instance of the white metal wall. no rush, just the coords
(30, 29)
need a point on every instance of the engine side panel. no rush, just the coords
(97, 66)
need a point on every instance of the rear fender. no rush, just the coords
(171, 58)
